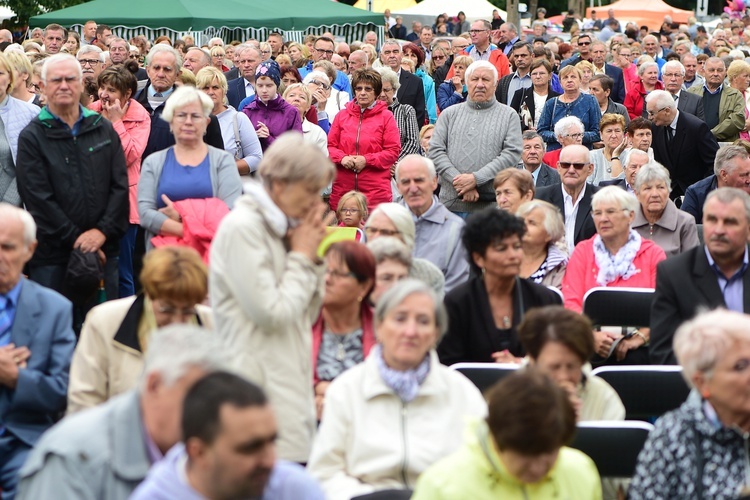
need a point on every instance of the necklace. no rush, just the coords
(506, 322)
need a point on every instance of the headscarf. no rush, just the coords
(270, 69)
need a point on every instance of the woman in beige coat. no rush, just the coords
(109, 357)
(267, 281)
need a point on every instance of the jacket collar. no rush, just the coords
(374, 386)
(436, 213)
(668, 219)
(257, 196)
(28, 310)
(129, 455)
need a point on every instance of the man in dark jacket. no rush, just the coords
(72, 179)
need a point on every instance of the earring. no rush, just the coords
(359, 299)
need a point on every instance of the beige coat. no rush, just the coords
(370, 440)
(265, 300)
(108, 360)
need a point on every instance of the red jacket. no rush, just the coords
(372, 134)
(636, 98)
(368, 337)
(580, 275)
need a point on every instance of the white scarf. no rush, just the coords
(620, 265)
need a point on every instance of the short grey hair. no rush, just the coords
(206, 54)
(390, 248)
(613, 194)
(652, 172)
(662, 98)
(216, 39)
(477, 65)
(245, 47)
(291, 159)
(12, 212)
(91, 48)
(390, 76)
(726, 195)
(57, 59)
(643, 67)
(553, 220)
(399, 292)
(699, 344)
(390, 41)
(725, 155)
(428, 164)
(162, 47)
(401, 217)
(182, 96)
(530, 135)
(637, 152)
(316, 75)
(175, 349)
(673, 65)
(564, 125)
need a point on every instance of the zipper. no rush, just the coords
(405, 461)
(356, 147)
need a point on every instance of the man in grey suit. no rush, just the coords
(531, 160)
(673, 75)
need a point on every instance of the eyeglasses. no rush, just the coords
(181, 117)
(574, 136)
(652, 113)
(326, 52)
(89, 62)
(474, 32)
(349, 211)
(321, 84)
(566, 165)
(610, 212)
(373, 231)
(265, 51)
(584, 43)
(340, 274)
(438, 58)
(34, 88)
(387, 91)
(363, 89)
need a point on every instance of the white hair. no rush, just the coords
(652, 172)
(184, 95)
(57, 59)
(11, 212)
(218, 41)
(387, 74)
(613, 194)
(481, 65)
(401, 217)
(162, 47)
(563, 126)
(662, 98)
(316, 75)
(673, 65)
(426, 162)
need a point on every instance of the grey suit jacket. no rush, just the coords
(691, 103)
(547, 176)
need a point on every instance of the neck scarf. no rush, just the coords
(611, 266)
(404, 383)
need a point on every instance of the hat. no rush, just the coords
(83, 276)
(270, 69)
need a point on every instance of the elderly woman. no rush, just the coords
(568, 131)
(299, 96)
(519, 451)
(393, 219)
(217, 58)
(617, 256)
(189, 170)
(240, 139)
(406, 117)
(384, 437)
(529, 102)
(467, 161)
(393, 260)
(559, 343)
(658, 219)
(700, 449)
(454, 91)
(336, 99)
(606, 161)
(269, 113)
(15, 114)
(22, 71)
(485, 312)
(266, 283)
(364, 143)
(513, 186)
(319, 85)
(572, 102)
(416, 54)
(343, 335)
(738, 75)
(635, 98)
(425, 135)
(109, 357)
(544, 261)
(117, 87)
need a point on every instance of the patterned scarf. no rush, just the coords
(404, 383)
(620, 265)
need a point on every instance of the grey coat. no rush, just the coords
(674, 232)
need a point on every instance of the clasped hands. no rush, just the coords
(466, 187)
(354, 163)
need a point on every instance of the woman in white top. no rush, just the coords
(240, 139)
(300, 97)
(607, 162)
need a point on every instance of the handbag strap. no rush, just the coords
(237, 141)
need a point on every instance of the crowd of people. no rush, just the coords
(243, 269)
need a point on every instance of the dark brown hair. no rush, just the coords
(368, 75)
(556, 324)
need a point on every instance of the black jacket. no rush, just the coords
(411, 92)
(584, 227)
(72, 184)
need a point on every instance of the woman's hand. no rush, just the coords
(619, 149)
(306, 237)
(359, 163)
(114, 111)
(575, 400)
(320, 393)
(506, 357)
(631, 344)
(262, 131)
(169, 210)
(456, 81)
(602, 343)
(321, 97)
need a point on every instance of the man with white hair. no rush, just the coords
(473, 141)
(651, 48)
(196, 59)
(438, 231)
(215, 42)
(91, 59)
(36, 346)
(635, 161)
(106, 451)
(411, 90)
(723, 105)
(681, 142)
(357, 60)
(673, 76)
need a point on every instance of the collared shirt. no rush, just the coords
(12, 298)
(427, 52)
(154, 101)
(154, 454)
(509, 46)
(534, 173)
(732, 289)
(517, 83)
(475, 53)
(571, 213)
(76, 126)
(249, 88)
(705, 87)
(600, 71)
(673, 125)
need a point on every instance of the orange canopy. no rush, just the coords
(643, 12)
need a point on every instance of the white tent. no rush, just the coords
(426, 11)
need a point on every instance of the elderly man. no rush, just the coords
(91, 59)
(635, 161)
(438, 231)
(343, 50)
(119, 53)
(357, 60)
(88, 35)
(731, 169)
(682, 143)
(162, 66)
(72, 178)
(196, 59)
(520, 79)
(651, 48)
(36, 346)
(105, 452)
(473, 141)
(508, 36)
(531, 160)
(411, 90)
(247, 59)
(724, 106)
(54, 38)
(323, 51)
(398, 30)
(706, 277)
(371, 38)
(673, 76)
(223, 414)
(692, 78)
(573, 195)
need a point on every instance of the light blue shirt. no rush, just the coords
(732, 289)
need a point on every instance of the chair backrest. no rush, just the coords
(485, 375)
(615, 306)
(559, 294)
(647, 391)
(386, 495)
(612, 445)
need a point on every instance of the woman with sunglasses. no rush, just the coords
(416, 54)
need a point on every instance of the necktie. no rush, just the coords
(670, 134)
(5, 322)
(158, 94)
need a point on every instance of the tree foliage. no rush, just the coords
(25, 9)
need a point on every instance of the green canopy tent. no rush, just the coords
(229, 19)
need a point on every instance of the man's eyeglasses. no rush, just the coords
(320, 84)
(578, 166)
(574, 136)
(326, 52)
(654, 113)
(89, 62)
(584, 43)
(474, 32)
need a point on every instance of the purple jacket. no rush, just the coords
(278, 115)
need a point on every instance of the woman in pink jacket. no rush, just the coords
(364, 143)
(616, 256)
(117, 85)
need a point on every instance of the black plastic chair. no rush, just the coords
(613, 446)
(386, 495)
(617, 306)
(647, 391)
(485, 375)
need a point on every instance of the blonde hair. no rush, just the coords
(175, 273)
(361, 200)
(612, 119)
(207, 75)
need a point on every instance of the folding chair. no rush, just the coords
(612, 445)
(485, 375)
(615, 306)
(386, 495)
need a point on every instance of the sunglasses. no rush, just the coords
(566, 165)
